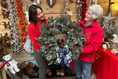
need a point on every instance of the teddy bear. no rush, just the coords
(11, 64)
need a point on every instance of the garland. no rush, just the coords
(84, 8)
(22, 22)
(81, 7)
(13, 26)
(59, 32)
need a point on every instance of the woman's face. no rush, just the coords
(88, 15)
(40, 15)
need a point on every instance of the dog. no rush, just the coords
(27, 70)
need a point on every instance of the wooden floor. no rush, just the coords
(66, 77)
(58, 78)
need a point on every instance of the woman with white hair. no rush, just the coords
(94, 35)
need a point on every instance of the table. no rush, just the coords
(106, 65)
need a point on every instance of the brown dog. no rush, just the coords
(28, 70)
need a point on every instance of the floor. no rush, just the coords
(68, 77)
(23, 56)
(58, 78)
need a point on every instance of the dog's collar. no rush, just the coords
(7, 62)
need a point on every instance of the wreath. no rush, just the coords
(57, 33)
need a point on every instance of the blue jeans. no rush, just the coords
(82, 67)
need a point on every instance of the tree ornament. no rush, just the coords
(51, 3)
(58, 33)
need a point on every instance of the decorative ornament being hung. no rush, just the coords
(51, 3)
(13, 26)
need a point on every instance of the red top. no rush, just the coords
(34, 32)
(94, 37)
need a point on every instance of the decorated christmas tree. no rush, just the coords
(57, 33)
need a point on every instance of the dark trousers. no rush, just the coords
(42, 64)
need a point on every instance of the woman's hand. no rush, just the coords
(114, 51)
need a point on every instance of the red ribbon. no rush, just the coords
(2, 64)
(7, 62)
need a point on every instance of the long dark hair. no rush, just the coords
(33, 13)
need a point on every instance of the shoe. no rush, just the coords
(49, 72)
(57, 72)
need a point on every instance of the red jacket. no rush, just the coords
(34, 32)
(94, 37)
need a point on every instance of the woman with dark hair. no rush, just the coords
(37, 18)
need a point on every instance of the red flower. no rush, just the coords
(70, 27)
(47, 45)
(44, 35)
(51, 26)
(76, 37)
(52, 34)
(75, 46)
(58, 41)
(62, 40)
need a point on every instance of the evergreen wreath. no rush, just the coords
(73, 37)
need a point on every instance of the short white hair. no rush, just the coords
(97, 10)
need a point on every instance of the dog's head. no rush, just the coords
(27, 69)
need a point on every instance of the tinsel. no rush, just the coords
(13, 26)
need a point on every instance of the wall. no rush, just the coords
(114, 7)
(57, 10)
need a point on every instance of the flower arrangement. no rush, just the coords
(59, 32)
